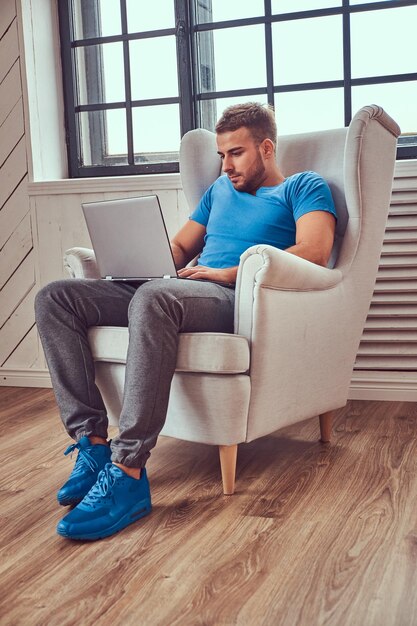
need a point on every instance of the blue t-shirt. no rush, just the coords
(236, 220)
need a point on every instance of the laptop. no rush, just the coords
(130, 239)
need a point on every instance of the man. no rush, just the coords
(252, 204)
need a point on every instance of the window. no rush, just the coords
(138, 75)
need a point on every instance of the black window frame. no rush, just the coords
(189, 22)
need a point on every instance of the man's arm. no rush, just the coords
(187, 243)
(314, 242)
(314, 237)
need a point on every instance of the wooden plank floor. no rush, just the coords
(315, 534)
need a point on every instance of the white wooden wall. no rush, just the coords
(386, 363)
(18, 338)
(39, 221)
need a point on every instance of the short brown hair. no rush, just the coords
(259, 119)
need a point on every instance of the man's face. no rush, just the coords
(242, 159)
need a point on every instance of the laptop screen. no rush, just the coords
(129, 238)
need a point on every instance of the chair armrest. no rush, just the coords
(81, 263)
(270, 267)
(302, 334)
(266, 267)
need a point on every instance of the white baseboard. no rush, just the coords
(394, 386)
(393, 395)
(361, 388)
(24, 378)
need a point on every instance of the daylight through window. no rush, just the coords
(138, 75)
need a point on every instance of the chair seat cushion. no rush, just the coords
(218, 353)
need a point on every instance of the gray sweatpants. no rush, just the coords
(155, 312)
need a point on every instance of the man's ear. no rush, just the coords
(268, 148)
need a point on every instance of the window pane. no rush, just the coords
(320, 38)
(155, 15)
(290, 6)
(305, 111)
(103, 134)
(211, 110)
(116, 133)
(156, 128)
(153, 68)
(232, 58)
(100, 71)
(101, 23)
(221, 10)
(397, 99)
(393, 42)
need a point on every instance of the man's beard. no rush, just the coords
(253, 179)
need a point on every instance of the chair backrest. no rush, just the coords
(357, 162)
(321, 152)
(200, 164)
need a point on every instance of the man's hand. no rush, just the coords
(201, 272)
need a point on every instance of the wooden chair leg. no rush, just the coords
(228, 458)
(326, 421)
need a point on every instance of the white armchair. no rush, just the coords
(297, 325)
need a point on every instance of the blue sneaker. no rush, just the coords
(114, 502)
(90, 461)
